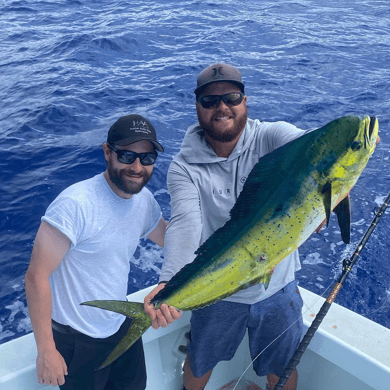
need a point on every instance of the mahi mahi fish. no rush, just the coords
(287, 195)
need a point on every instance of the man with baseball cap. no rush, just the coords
(82, 252)
(204, 181)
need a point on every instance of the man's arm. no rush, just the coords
(166, 314)
(50, 247)
(184, 230)
(157, 235)
(280, 133)
(181, 239)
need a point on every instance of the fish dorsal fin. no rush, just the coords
(343, 212)
(258, 191)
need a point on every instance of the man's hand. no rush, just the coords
(51, 368)
(162, 316)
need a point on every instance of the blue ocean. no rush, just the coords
(70, 68)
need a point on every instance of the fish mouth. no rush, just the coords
(371, 136)
(371, 129)
(372, 125)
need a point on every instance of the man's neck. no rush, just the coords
(114, 188)
(223, 149)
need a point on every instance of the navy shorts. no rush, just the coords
(217, 331)
(84, 354)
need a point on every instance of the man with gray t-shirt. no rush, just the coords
(82, 252)
(204, 181)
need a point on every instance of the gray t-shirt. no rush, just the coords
(203, 190)
(104, 230)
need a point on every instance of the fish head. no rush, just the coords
(336, 156)
(367, 136)
(351, 142)
(356, 139)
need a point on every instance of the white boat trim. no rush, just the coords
(347, 352)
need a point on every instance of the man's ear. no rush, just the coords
(107, 151)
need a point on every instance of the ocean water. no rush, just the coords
(69, 69)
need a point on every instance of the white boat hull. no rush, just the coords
(347, 352)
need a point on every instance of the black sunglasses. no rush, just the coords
(128, 157)
(230, 99)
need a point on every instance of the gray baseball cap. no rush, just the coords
(218, 72)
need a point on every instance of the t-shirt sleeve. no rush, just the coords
(153, 215)
(65, 215)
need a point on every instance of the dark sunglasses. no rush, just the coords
(230, 99)
(128, 157)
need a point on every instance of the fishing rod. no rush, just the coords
(347, 267)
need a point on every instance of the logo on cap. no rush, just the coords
(141, 127)
(217, 71)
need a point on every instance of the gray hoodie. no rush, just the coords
(204, 188)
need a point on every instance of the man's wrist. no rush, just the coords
(49, 347)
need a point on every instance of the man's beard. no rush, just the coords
(227, 135)
(124, 183)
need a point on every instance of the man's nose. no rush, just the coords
(223, 104)
(136, 164)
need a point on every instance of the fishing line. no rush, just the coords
(348, 264)
(346, 269)
(385, 303)
(303, 313)
(298, 319)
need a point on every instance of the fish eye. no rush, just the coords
(356, 145)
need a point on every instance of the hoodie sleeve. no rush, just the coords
(280, 133)
(183, 233)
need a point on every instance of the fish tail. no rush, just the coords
(141, 322)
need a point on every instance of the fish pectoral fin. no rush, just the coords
(266, 278)
(343, 212)
(141, 322)
(327, 192)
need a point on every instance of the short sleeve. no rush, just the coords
(153, 215)
(65, 215)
